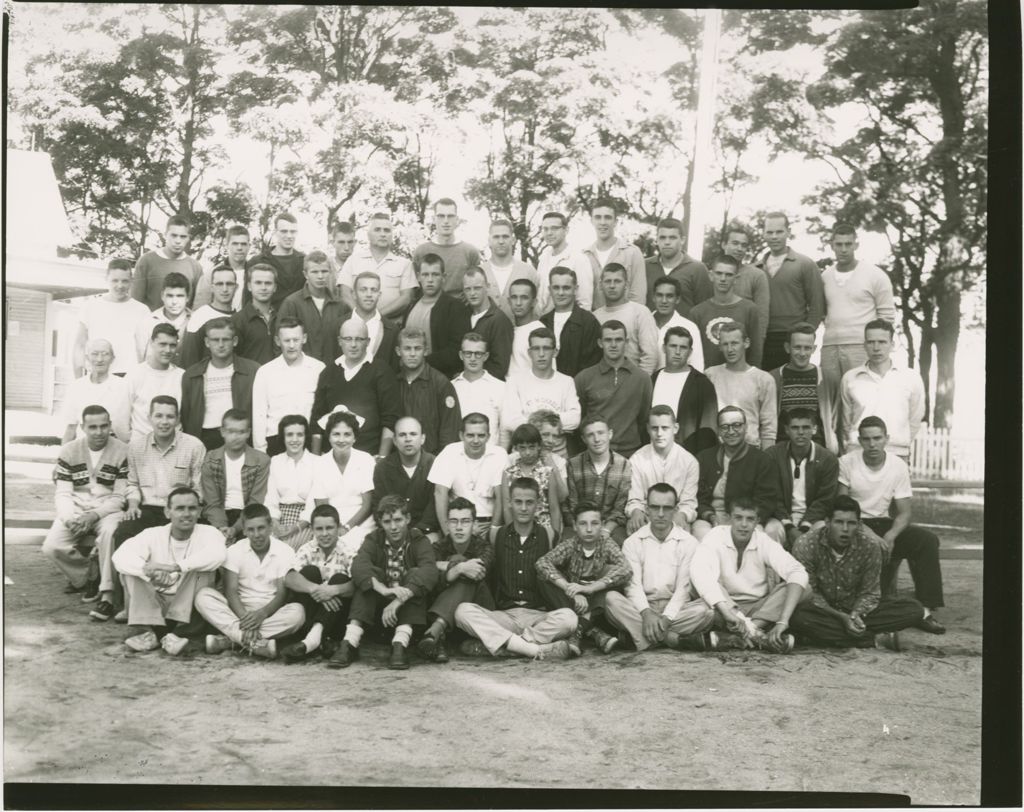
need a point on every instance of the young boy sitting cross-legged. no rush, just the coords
(254, 610)
(394, 572)
(321, 582)
(579, 572)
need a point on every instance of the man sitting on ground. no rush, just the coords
(254, 611)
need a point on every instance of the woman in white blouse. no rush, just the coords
(344, 478)
(290, 484)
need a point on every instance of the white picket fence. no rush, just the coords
(938, 455)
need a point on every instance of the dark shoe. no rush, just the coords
(931, 625)
(889, 640)
(605, 642)
(399, 659)
(294, 652)
(575, 643)
(71, 589)
(442, 651)
(102, 611)
(327, 647)
(690, 642)
(91, 592)
(428, 647)
(344, 655)
(473, 648)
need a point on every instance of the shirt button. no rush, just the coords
(520, 572)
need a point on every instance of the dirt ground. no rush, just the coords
(79, 708)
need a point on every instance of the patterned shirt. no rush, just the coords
(82, 486)
(542, 474)
(570, 561)
(850, 582)
(337, 561)
(396, 567)
(609, 490)
(154, 473)
(799, 389)
(477, 547)
(514, 576)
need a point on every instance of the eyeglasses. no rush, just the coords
(472, 353)
(725, 427)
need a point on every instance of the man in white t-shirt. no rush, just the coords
(522, 296)
(879, 480)
(154, 376)
(113, 316)
(99, 388)
(472, 469)
(478, 390)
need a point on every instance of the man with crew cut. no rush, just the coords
(154, 266)
(283, 258)
(577, 332)
(456, 255)
(554, 227)
(395, 272)
(608, 248)
(672, 261)
(503, 267)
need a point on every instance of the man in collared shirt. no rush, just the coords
(426, 394)
(666, 292)
(98, 387)
(478, 390)
(687, 392)
(283, 258)
(489, 321)
(577, 332)
(608, 248)
(222, 292)
(366, 389)
(618, 389)
(796, 292)
(844, 567)
(163, 568)
(233, 476)
(254, 323)
(641, 329)
(734, 570)
(157, 375)
(662, 461)
(504, 267)
(397, 279)
(382, 332)
(317, 307)
(881, 389)
(751, 282)
(656, 608)
(601, 476)
(286, 385)
(343, 241)
(672, 261)
(558, 254)
(808, 477)
(521, 625)
(255, 609)
(404, 472)
(236, 249)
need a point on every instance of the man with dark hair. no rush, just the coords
(522, 296)
(112, 316)
(795, 289)
(381, 332)
(404, 472)
(672, 261)
(807, 476)
(687, 392)
(163, 568)
(254, 323)
(218, 383)
(739, 384)
(618, 389)
(175, 311)
(799, 384)
(154, 266)
(233, 476)
(751, 282)
(223, 291)
(318, 308)
(455, 256)
(880, 482)
(395, 276)
(442, 318)
(283, 258)
(577, 332)
(554, 227)
(608, 248)
(479, 390)
(662, 461)
(503, 267)
(157, 375)
(843, 567)
(492, 323)
(600, 475)
(641, 329)
(725, 307)
(255, 609)
(233, 256)
(426, 394)
(666, 292)
(343, 241)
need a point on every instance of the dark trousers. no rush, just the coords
(920, 548)
(774, 354)
(151, 516)
(333, 621)
(275, 445)
(211, 438)
(233, 514)
(818, 626)
(367, 606)
(461, 590)
(555, 598)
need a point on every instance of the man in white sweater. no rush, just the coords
(641, 329)
(855, 293)
(539, 388)
(739, 384)
(662, 461)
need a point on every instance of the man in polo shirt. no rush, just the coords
(662, 461)
(844, 569)
(286, 385)
(799, 384)
(471, 469)
(554, 227)
(426, 394)
(600, 476)
(504, 267)
(254, 323)
(97, 388)
(404, 472)
(382, 332)
(687, 392)
(223, 289)
(218, 383)
(795, 289)
(154, 266)
(456, 256)
(175, 311)
(656, 608)
(396, 277)
(442, 318)
(318, 308)
(667, 292)
(881, 389)
(236, 249)
(734, 570)
(723, 307)
(254, 611)
(641, 329)
(608, 248)
(751, 282)
(283, 258)
(737, 383)
(577, 332)
(672, 261)
(157, 375)
(478, 390)
(521, 625)
(879, 481)
(489, 321)
(618, 389)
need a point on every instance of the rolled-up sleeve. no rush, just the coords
(705, 570)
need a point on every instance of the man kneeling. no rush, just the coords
(396, 561)
(844, 566)
(254, 610)
(521, 625)
(163, 568)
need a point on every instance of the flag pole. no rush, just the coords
(702, 151)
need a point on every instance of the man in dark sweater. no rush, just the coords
(284, 258)
(442, 317)
(317, 308)
(392, 476)
(153, 266)
(488, 320)
(673, 261)
(577, 330)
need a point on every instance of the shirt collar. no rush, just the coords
(307, 293)
(151, 440)
(675, 534)
(604, 367)
(342, 362)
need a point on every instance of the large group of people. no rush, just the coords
(283, 452)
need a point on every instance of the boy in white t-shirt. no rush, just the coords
(113, 316)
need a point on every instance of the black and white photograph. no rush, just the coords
(455, 397)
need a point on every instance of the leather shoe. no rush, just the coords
(931, 625)
(399, 659)
(344, 655)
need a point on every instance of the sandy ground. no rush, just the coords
(80, 708)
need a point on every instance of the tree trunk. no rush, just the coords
(947, 336)
(924, 367)
(687, 203)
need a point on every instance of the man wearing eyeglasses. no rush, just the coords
(478, 390)
(807, 476)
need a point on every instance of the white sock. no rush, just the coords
(312, 640)
(353, 634)
(403, 634)
(517, 645)
(927, 612)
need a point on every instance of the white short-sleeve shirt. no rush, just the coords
(257, 580)
(475, 480)
(116, 322)
(344, 491)
(875, 490)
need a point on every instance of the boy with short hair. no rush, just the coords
(600, 475)
(233, 476)
(254, 611)
(175, 311)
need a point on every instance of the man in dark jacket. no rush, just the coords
(390, 477)
(687, 392)
(317, 308)
(489, 321)
(394, 562)
(426, 394)
(441, 316)
(735, 468)
(578, 331)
